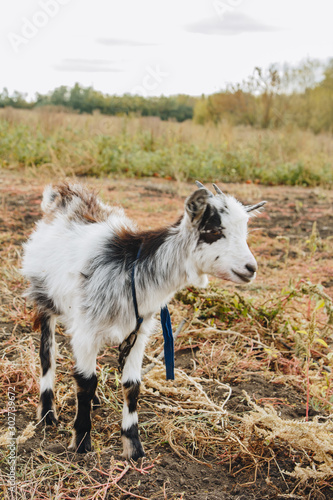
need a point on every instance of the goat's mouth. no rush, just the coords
(243, 277)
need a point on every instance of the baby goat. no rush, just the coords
(79, 261)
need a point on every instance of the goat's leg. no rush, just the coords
(86, 384)
(131, 380)
(47, 353)
(96, 402)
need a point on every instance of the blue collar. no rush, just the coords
(169, 350)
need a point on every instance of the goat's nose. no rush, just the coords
(251, 268)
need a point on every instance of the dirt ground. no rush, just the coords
(290, 241)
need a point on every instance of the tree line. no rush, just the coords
(300, 95)
(87, 100)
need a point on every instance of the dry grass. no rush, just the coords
(72, 144)
(230, 335)
(314, 439)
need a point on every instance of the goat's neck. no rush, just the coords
(168, 269)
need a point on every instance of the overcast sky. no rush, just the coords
(154, 47)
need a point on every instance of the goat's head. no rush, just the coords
(220, 222)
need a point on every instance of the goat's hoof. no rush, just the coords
(46, 409)
(96, 402)
(139, 453)
(48, 416)
(135, 454)
(50, 419)
(132, 449)
(81, 443)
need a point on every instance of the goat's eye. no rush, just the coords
(217, 231)
(220, 231)
(212, 235)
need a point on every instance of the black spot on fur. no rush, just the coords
(122, 249)
(45, 343)
(210, 226)
(210, 218)
(125, 246)
(46, 401)
(118, 256)
(211, 236)
(38, 294)
(133, 435)
(132, 392)
(86, 388)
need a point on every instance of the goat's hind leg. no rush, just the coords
(86, 384)
(47, 353)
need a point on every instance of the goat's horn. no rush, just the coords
(249, 208)
(199, 184)
(217, 189)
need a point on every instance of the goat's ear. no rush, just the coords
(196, 204)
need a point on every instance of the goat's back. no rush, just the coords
(75, 202)
(74, 232)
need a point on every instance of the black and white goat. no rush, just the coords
(79, 262)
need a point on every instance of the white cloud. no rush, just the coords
(124, 43)
(88, 66)
(231, 23)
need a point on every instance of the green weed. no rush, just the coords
(140, 147)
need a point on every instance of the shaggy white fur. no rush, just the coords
(79, 261)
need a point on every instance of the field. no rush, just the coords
(66, 144)
(250, 412)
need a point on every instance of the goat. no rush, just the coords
(79, 262)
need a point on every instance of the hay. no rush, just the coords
(187, 418)
(27, 433)
(314, 439)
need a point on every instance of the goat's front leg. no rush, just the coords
(86, 384)
(131, 380)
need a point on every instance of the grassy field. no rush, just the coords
(68, 144)
(250, 412)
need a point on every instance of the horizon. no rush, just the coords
(318, 75)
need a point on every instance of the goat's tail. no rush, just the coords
(50, 199)
(60, 197)
(73, 201)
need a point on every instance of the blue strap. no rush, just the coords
(169, 351)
